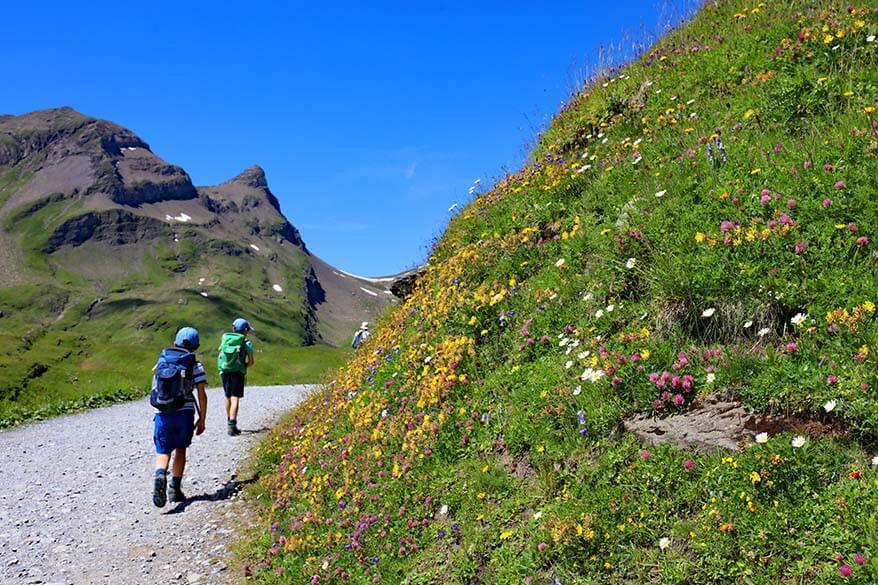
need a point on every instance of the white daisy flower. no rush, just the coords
(664, 542)
(798, 319)
(708, 312)
(830, 405)
(592, 375)
(797, 441)
(561, 262)
(762, 438)
(632, 262)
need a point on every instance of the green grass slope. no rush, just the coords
(88, 324)
(701, 222)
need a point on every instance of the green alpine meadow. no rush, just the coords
(693, 235)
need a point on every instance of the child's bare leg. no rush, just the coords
(179, 462)
(233, 408)
(162, 461)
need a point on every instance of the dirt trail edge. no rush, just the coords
(75, 495)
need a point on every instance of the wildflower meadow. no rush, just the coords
(700, 222)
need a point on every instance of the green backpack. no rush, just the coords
(232, 353)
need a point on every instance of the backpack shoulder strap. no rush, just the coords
(189, 360)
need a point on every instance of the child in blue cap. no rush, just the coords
(235, 356)
(175, 420)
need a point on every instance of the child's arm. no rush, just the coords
(250, 360)
(202, 409)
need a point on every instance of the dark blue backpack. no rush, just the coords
(173, 379)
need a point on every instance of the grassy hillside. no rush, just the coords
(702, 222)
(68, 346)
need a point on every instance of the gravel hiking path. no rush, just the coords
(76, 496)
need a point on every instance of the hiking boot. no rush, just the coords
(233, 430)
(159, 491)
(175, 494)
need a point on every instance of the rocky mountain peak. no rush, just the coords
(70, 153)
(252, 182)
(253, 177)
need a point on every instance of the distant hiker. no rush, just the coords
(176, 375)
(235, 356)
(361, 335)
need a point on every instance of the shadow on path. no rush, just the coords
(254, 431)
(225, 492)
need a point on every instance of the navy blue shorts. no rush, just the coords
(233, 384)
(173, 430)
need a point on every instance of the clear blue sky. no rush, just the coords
(370, 118)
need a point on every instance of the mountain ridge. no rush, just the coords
(112, 231)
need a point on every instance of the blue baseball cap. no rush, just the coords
(240, 325)
(187, 337)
